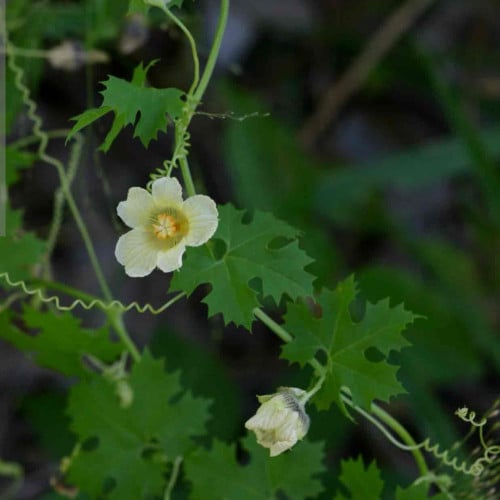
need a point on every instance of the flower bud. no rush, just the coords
(281, 420)
(70, 56)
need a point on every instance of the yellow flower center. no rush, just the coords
(165, 226)
(169, 227)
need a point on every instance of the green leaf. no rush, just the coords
(216, 474)
(247, 256)
(19, 250)
(16, 160)
(417, 492)
(138, 7)
(357, 351)
(132, 103)
(133, 442)
(60, 341)
(360, 482)
(210, 377)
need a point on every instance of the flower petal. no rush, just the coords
(171, 259)
(202, 215)
(136, 209)
(167, 192)
(281, 446)
(137, 253)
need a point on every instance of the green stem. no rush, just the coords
(315, 389)
(214, 51)
(33, 139)
(272, 325)
(403, 434)
(173, 478)
(186, 175)
(80, 224)
(116, 318)
(192, 44)
(193, 96)
(59, 201)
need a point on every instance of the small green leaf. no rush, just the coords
(60, 342)
(215, 474)
(133, 443)
(347, 344)
(145, 108)
(360, 482)
(248, 256)
(19, 250)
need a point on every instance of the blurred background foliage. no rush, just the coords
(399, 185)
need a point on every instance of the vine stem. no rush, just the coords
(192, 44)
(410, 443)
(59, 201)
(214, 51)
(194, 99)
(116, 318)
(272, 325)
(196, 91)
(33, 139)
(173, 477)
(387, 419)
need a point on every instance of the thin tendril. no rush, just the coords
(192, 44)
(87, 302)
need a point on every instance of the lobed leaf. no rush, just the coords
(60, 341)
(129, 459)
(132, 103)
(361, 482)
(248, 255)
(352, 348)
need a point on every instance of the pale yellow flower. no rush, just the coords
(281, 420)
(162, 226)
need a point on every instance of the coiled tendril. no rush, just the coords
(90, 304)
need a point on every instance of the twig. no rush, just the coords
(381, 42)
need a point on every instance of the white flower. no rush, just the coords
(162, 226)
(281, 420)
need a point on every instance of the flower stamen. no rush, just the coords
(165, 226)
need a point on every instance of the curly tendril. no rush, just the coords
(90, 304)
(490, 452)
